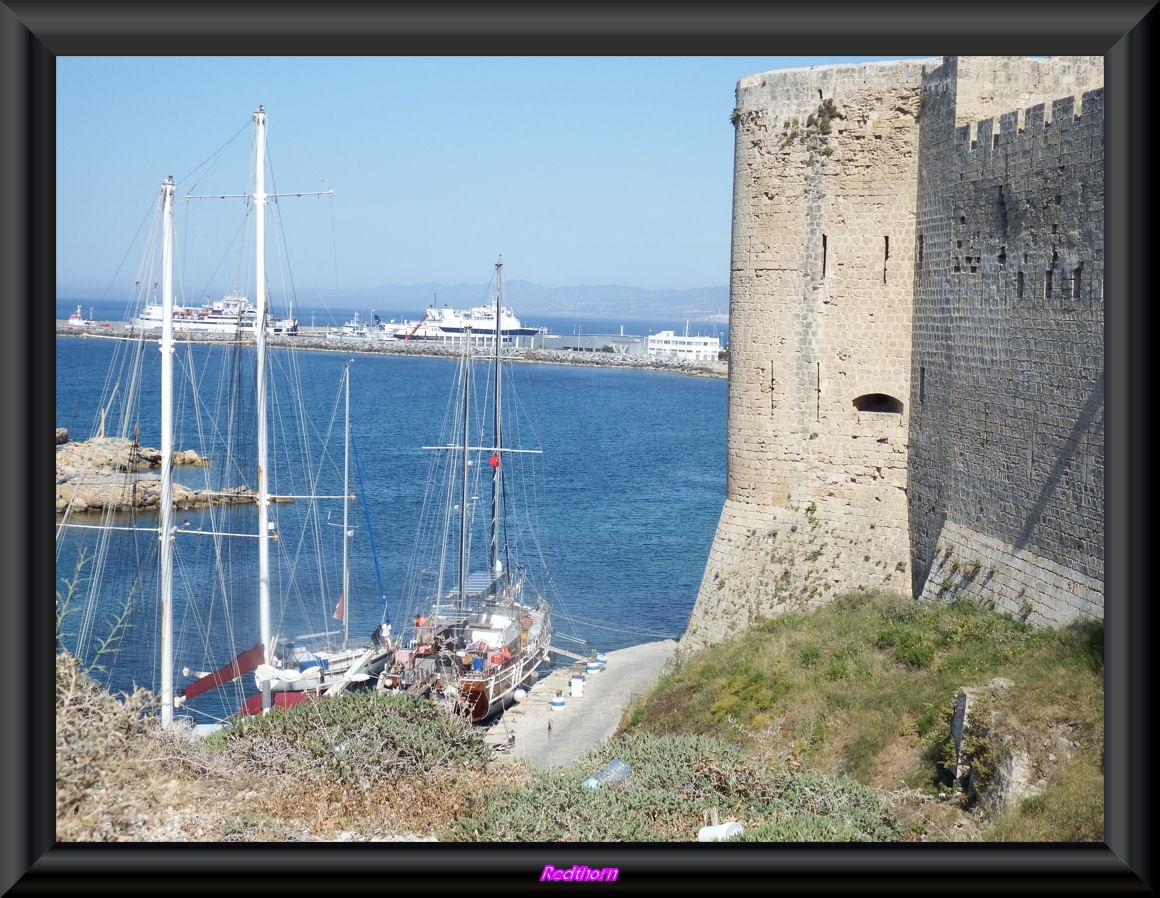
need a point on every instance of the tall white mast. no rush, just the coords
(496, 474)
(260, 198)
(346, 497)
(165, 525)
(260, 389)
(465, 466)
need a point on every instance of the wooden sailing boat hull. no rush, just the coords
(481, 696)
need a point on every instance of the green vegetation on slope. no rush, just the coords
(864, 687)
(827, 726)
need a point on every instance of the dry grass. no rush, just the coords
(120, 778)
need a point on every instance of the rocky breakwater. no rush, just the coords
(315, 339)
(115, 474)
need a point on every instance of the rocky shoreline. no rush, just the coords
(315, 339)
(115, 474)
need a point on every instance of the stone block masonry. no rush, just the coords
(916, 327)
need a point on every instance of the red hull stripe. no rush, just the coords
(242, 664)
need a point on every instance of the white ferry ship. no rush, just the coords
(230, 314)
(446, 325)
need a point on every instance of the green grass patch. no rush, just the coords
(870, 675)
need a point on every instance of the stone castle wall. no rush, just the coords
(1006, 447)
(878, 386)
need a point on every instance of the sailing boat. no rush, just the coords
(298, 671)
(224, 585)
(312, 665)
(484, 632)
(290, 672)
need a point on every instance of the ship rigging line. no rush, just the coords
(618, 629)
(370, 529)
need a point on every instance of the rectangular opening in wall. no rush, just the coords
(1019, 286)
(995, 142)
(922, 383)
(1047, 285)
(920, 248)
(1075, 280)
(823, 255)
(885, 256)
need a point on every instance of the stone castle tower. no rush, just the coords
(916, 340)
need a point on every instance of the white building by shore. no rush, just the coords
(682, 346)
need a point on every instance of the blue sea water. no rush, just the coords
(633, 483)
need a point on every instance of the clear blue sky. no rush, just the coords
(577, 170)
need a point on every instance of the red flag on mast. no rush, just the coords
(340, 608)
(494, 461)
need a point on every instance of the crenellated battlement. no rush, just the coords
(1033, 127)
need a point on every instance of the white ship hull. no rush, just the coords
(447, 325)
(228, 315)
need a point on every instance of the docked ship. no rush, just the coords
(77, 319)
(355, 329)
(484, 628)
(447, 325)
(229, 315)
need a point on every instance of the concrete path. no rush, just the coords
(558, 738)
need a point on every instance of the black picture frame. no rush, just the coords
(34, 33)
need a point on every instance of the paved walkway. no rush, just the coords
(558, 738)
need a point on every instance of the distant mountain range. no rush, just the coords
(528, 299)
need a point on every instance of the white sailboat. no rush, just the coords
(223, 591)
(298, 669)
(484, 630)
(295, 672)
